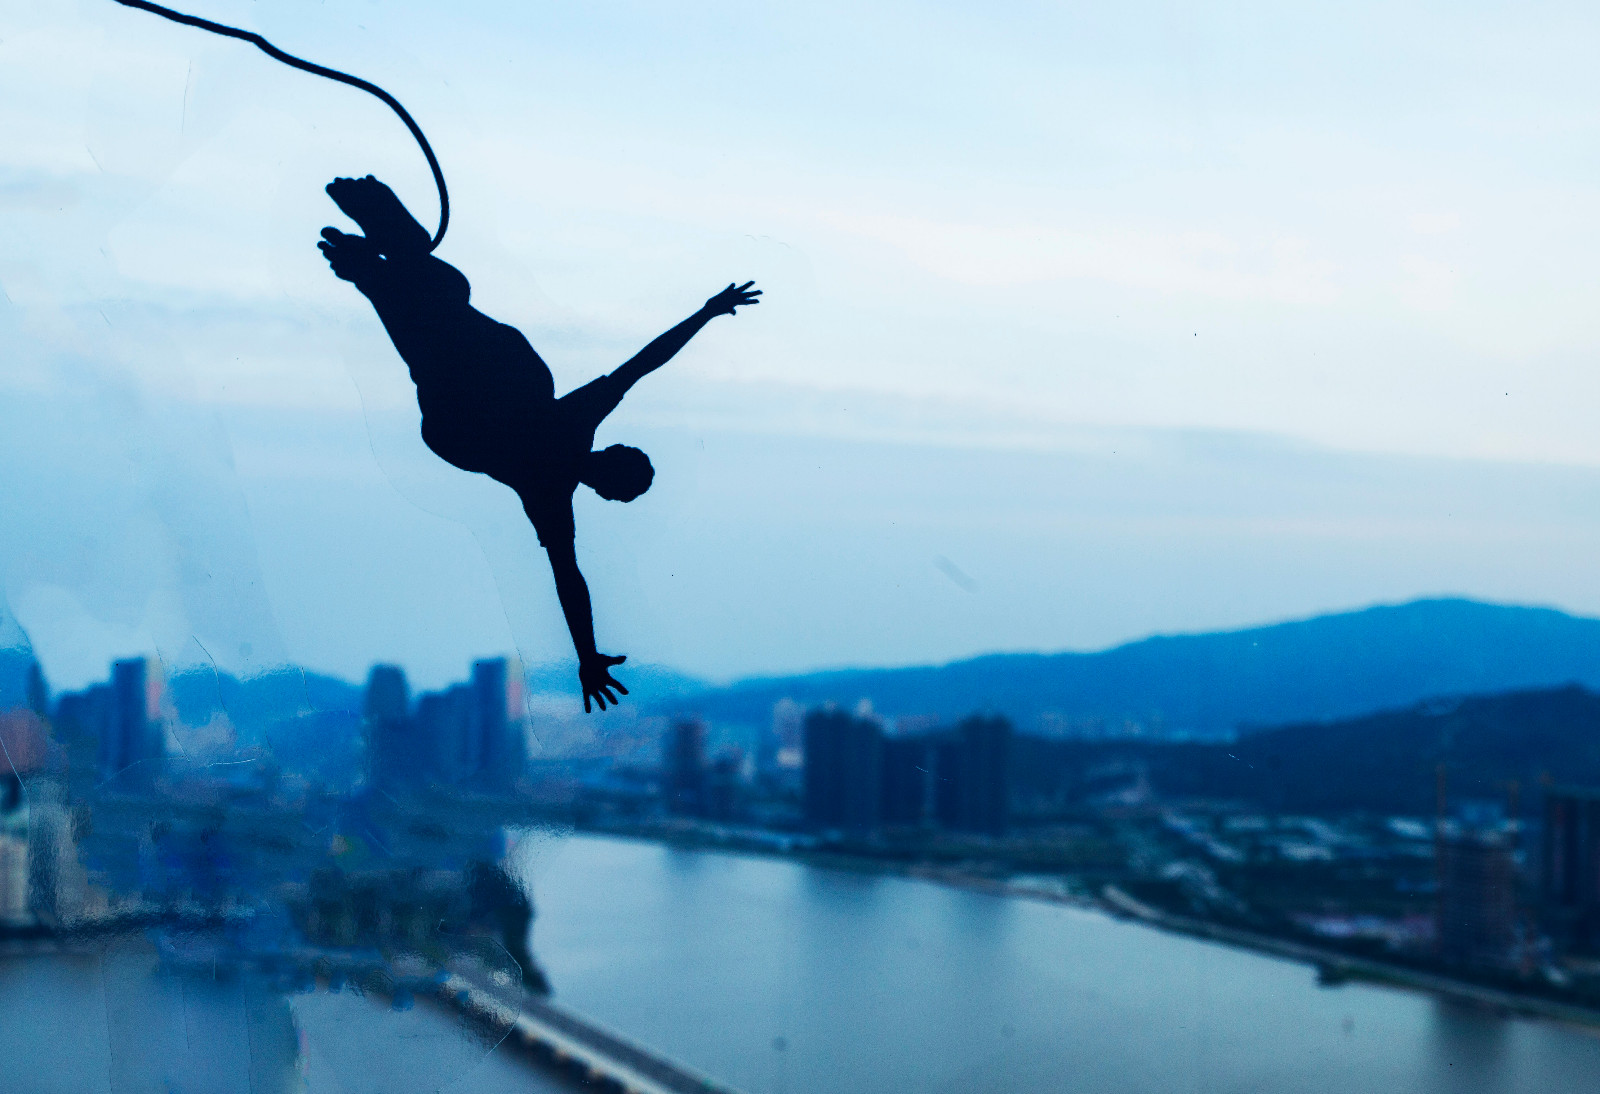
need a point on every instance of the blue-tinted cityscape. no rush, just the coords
(1102, 601)
(325, 835)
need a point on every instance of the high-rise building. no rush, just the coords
(500, 718)
(388, 696)
(947, 776)
(970, 771)
(908, 763)
(82, 719)
(857, 778)
(724, 780)
(985, 774)
(110, 728)
(1570, 866)
(784, 739)
(444, 728)
(396, 756)
(134, 731)
(684, 769)
(843, 770)
(1477, 895)
(476, 733)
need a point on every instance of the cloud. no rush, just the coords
(1198, 263)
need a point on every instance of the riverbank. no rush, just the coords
(1333, 965)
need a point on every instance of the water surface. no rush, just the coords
(776, 978)
(779, 977)
(116, 1021)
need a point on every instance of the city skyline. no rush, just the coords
(549, 679)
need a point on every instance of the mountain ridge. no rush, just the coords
(1212, 685)
(1387, 761)
(1186, 686)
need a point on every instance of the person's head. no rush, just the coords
(619, 473)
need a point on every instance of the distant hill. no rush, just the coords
(15, 664)
(1381, 763)
(256, 704)
(1207, 685)
(310, 722)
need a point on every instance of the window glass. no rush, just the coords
(840, 547)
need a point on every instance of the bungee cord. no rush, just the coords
(317, 70)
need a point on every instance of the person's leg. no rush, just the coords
(421, 300)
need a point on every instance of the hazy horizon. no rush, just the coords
(13, 638)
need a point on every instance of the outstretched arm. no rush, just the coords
(661, 351)
(594, 668)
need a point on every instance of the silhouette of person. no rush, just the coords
(488, 400)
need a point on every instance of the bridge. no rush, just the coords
(551, 1038)
(554, 1035)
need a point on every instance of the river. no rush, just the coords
(782, 978)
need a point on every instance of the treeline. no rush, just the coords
(1382, 763)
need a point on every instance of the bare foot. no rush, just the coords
(374, 206)
(352, 257)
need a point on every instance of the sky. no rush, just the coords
(1082, 322)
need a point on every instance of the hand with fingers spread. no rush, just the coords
(732, 297)
(594, 674)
